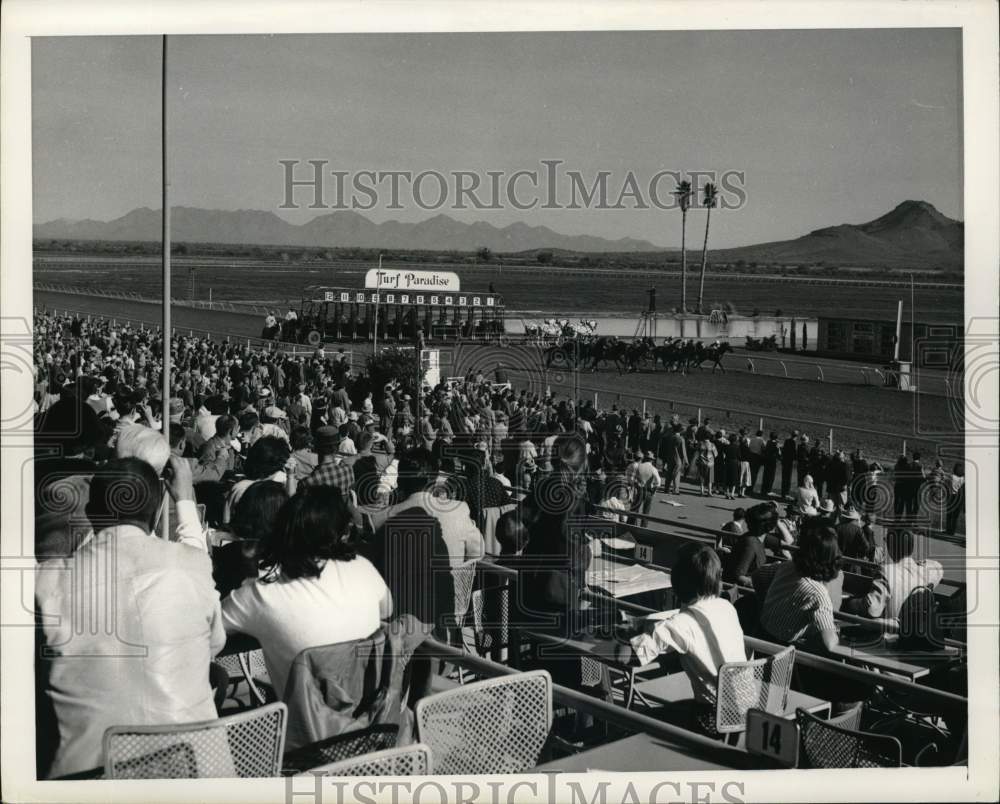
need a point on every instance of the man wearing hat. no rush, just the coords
(332, 470)
(851, 537)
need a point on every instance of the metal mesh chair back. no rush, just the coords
(244, 745)
(822, 744)
(491, 619)
(410, 760)
(756, 684)
(495, 726)
(463, 575)
(342, 747)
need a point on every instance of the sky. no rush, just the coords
(828, 127)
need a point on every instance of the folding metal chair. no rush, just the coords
(410, 760)
(755, 684)
(495, 726)
(245, 745)
(341, 747)
(828, 744)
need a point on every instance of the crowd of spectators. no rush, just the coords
(289, 489)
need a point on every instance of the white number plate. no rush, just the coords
(773, 736)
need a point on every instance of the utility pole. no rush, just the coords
(165, 406)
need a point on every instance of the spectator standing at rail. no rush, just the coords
(918, 474)
(747, 458)
(900, 485)
(769, 462)
(756, 447)
(705, 463)
(729, 449)
(676, 459)
(839, 474)
(802, 459)
(789, 450)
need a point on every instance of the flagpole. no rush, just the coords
(165, 177)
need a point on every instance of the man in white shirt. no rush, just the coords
(896, 580)
(129, 624)
(459, 532)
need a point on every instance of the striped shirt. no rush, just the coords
(795, 607)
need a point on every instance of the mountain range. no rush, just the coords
(914, 234)
(343, 228)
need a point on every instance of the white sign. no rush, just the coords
(773, 736)
(412, 280)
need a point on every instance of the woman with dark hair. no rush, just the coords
(267, 459)
(748, 548)
(254, 518)
(314, 588)
(798, 605)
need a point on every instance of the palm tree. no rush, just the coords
(709, 202)
(683, 195)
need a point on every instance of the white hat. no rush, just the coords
(274, 412)
(827, 506)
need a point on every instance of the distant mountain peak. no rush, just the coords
(912, 234)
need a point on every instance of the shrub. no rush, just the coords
(393, 364)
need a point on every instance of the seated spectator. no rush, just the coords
(806, 494)
(314, 590)
(62, 477)
(156, 619)
(151, 447)
(460, 533)
(616, 497)
(254, 517)
(851, 536)
(556, 554)
(267, 459)
(705, 632)
(899, 576)
(223, 446)
(736, 526)
(302, 453)
(875, 538)
(331, 470)
(798, 605)
(748, 548)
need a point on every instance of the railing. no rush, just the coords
(884, 445)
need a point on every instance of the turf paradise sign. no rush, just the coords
(411, 280)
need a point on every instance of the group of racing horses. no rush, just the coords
(675, 354)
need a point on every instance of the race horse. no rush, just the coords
(713, 353)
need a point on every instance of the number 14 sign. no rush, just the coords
(773, 736)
